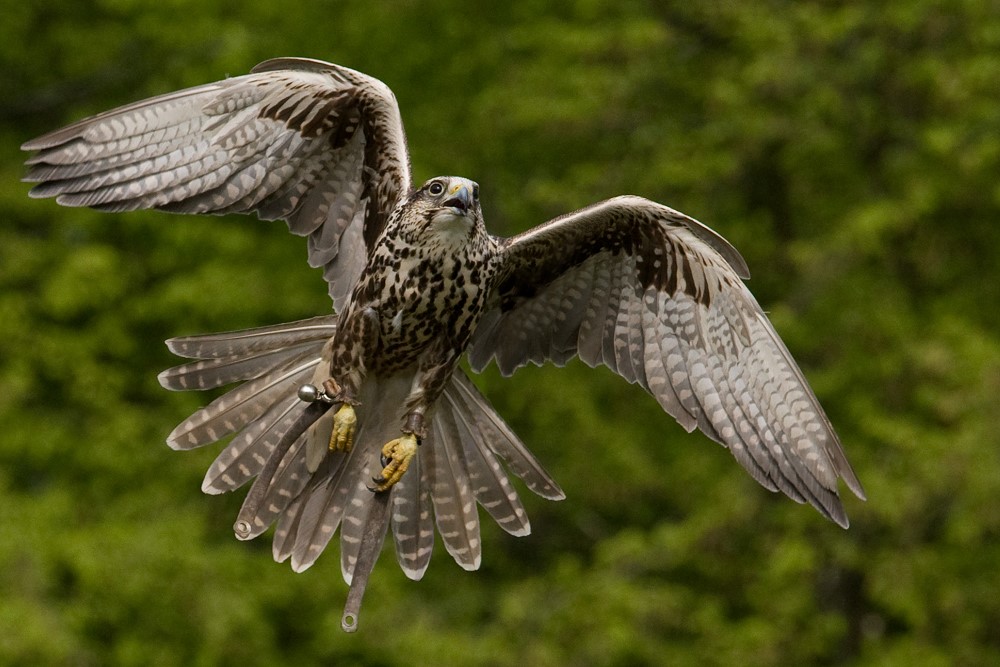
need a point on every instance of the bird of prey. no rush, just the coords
(417, 282)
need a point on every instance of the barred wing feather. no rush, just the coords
(317, 145)
(658, 298)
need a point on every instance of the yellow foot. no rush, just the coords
(345, 423)
(396, 455)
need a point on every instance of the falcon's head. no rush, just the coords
(450, 205)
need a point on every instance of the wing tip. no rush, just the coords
(551, 491)
(854, 484)
(177, 346)
(166, 379)
(41, 143)
(176, 439)
(838, 515)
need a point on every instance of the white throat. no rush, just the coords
(451, 226)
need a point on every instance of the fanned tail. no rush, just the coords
(458, 466)
(464, 459)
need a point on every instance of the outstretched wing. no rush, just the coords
(658, 298)
(317, 145)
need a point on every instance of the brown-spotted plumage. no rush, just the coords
(417, 282)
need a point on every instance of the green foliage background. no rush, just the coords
(850, 150)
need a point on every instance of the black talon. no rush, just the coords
(384, 460)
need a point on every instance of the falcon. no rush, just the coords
(417, 283)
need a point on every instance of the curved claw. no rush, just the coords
(345, 423)
(397, 453)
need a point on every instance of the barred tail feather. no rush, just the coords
(247, 341)
(454, 505)
(412, 519)
(465, 458)
(500, 439)
(338, 494)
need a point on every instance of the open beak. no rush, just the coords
(460, 199)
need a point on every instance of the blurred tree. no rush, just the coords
(850, 150)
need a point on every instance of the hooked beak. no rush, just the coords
(459, 199)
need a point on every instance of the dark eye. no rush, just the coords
(475, 193)
(435, 188)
